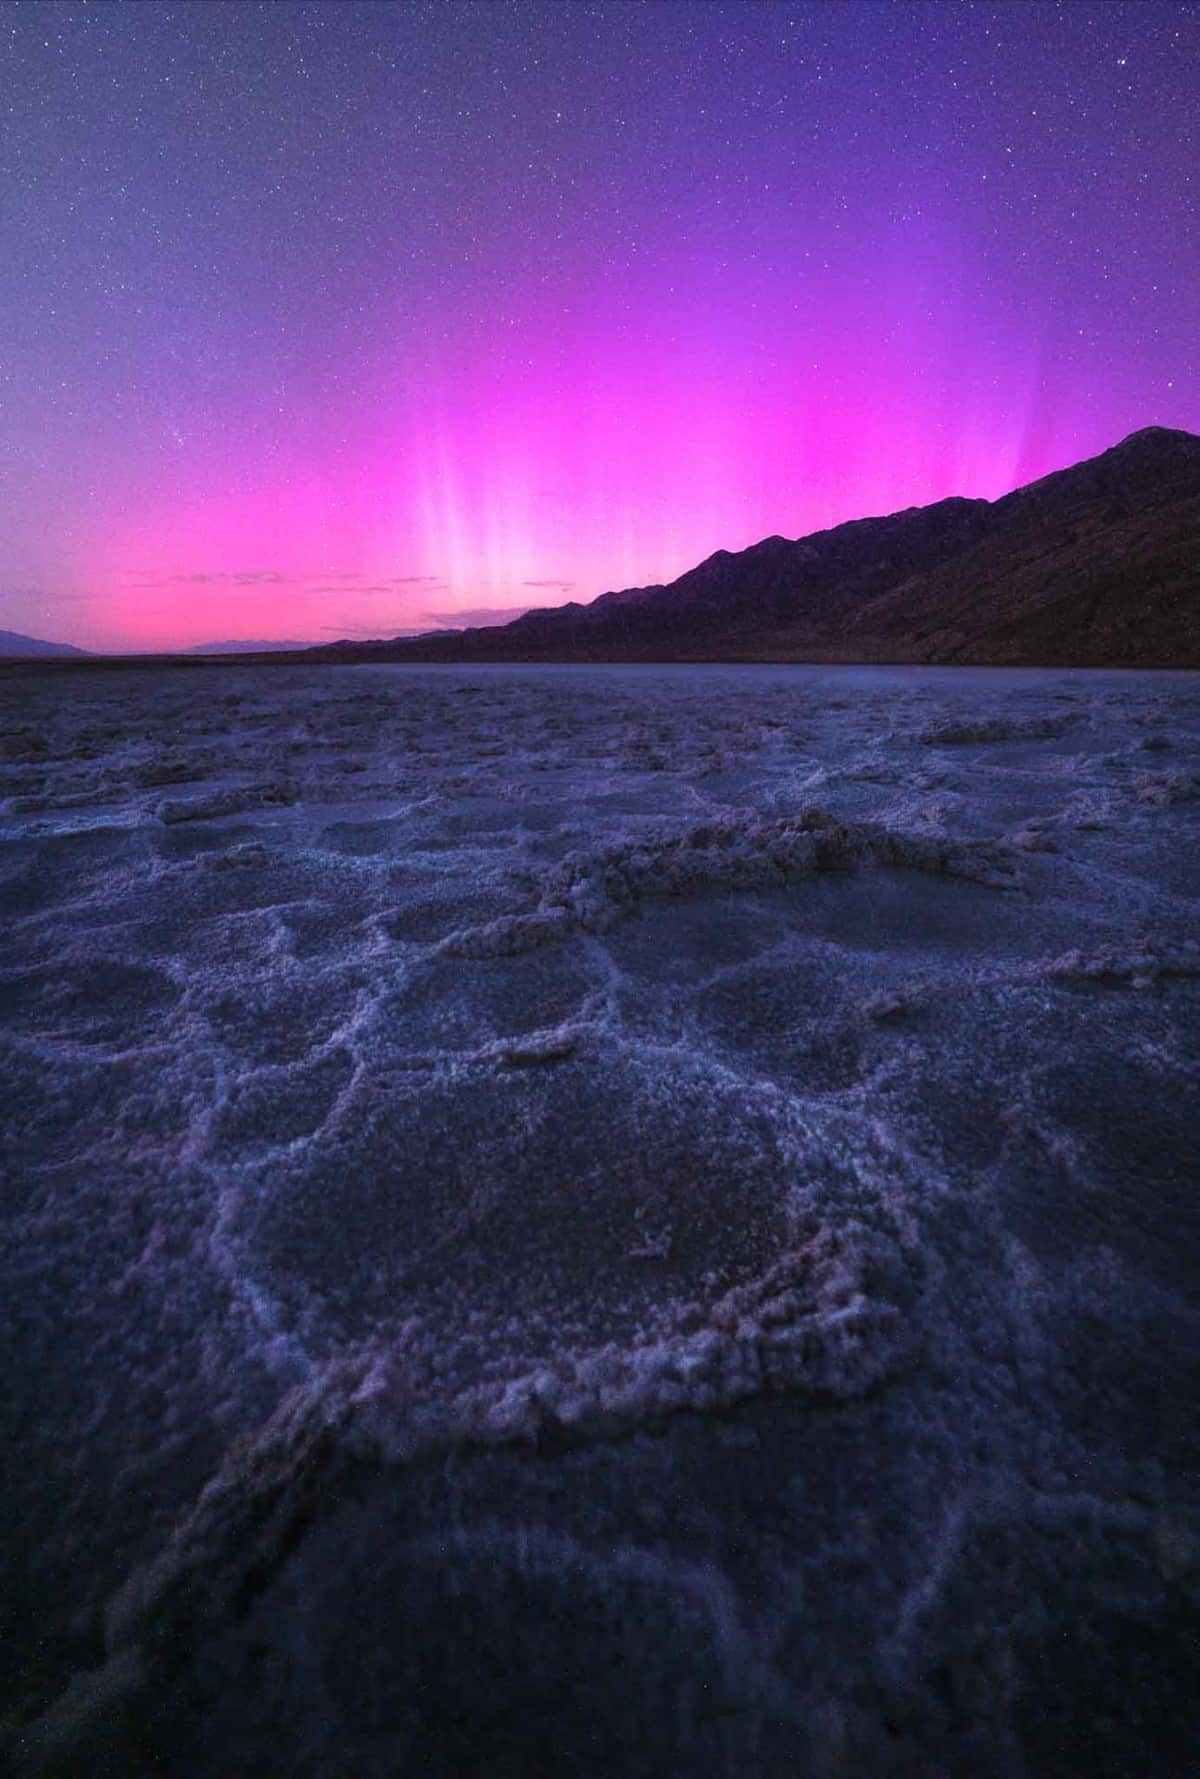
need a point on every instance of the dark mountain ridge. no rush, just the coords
(1096, 565)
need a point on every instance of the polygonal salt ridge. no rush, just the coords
(1164, 788)
(528, 1049)
(243, 854)
(1140, 963)
(831, 1319)
(999, 729)
(593, 890)
(235, 800)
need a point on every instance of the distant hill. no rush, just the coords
(1097, 565)
(13, 643)
(242, 648)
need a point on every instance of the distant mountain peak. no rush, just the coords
(14, 645)
(1159, 435)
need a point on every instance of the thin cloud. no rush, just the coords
(37, 596)
(324, 581)
(366, 632)
(238, 577)
(475, 617)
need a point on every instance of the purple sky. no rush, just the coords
(347, 319)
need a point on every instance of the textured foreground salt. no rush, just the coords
(600, 1221)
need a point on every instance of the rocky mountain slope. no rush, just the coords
(1097, 565)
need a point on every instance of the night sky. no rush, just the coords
(347, 319)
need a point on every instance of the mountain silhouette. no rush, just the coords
(1097, 565)
(13, 644)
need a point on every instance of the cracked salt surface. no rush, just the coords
(600, 1220)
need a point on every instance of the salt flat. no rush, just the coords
(600, 1220)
